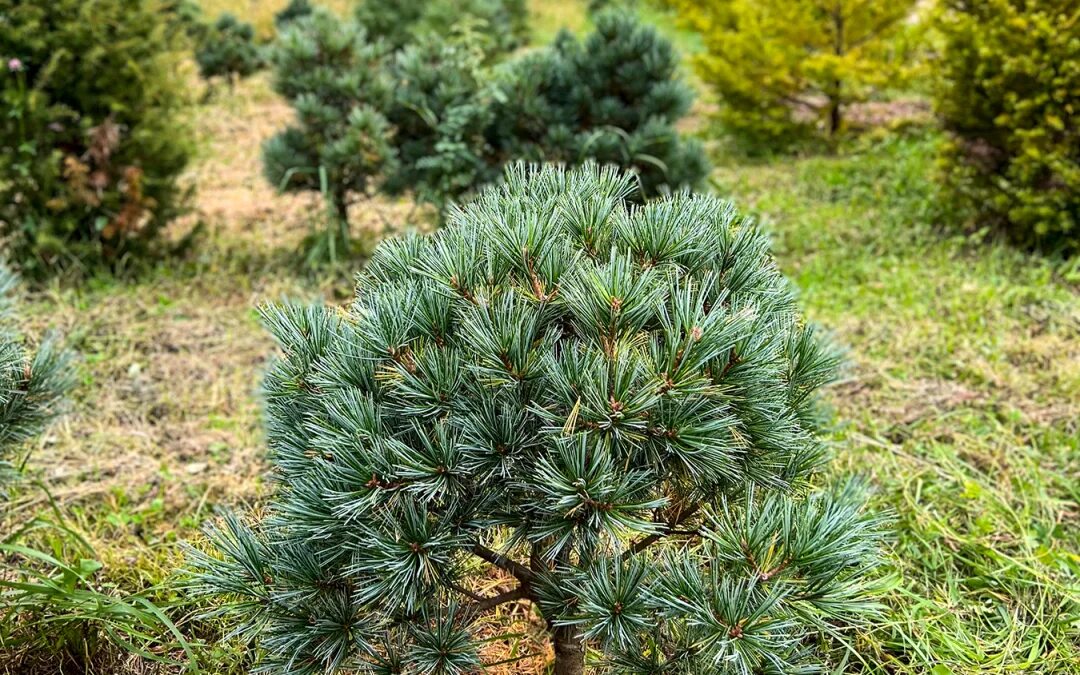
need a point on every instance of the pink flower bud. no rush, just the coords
(14, 65)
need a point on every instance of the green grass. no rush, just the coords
(962, 404)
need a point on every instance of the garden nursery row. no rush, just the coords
(543, 337)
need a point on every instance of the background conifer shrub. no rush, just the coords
(785, 71)
(1009, 96)
(93, 139)
(503, 23)
(228, 49)
(613, 97)
(613, 406)
(440, 112)
(435, 121)
(293, 11)
(337, 82)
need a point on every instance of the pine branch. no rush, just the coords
(673, 522)
(519, 593)
(464, 591)
(519, 571)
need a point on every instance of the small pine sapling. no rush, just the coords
(228, 50)
(293, 11)
(612, 408)
(612, 98)
(340, 142)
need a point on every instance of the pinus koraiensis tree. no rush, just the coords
(614, 406)
(613, 98)
(32, 383)
(227, 49)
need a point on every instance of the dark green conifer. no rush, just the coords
(399, 23)
(293, 11)
(340, 142)
(228, 49)
(93, 138)
(613, 405)
(613, 98)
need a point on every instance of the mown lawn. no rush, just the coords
(961, 402)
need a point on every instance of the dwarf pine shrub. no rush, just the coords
(613, 407)
(613, 98)
(228, 49)
(439, 113)
(92, 139)
(1009, 97)
(399, 23)
(340, 144)
(293, 11)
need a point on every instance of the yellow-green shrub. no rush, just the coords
(786, 70)
(1009, 97)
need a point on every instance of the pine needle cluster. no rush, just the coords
(613, 406)
(31, 383)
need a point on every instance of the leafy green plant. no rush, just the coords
(1009, 94)
(613, 98)
(613, 408)
(228, 50)
(89, 163)
(54, 606)
(785, 71)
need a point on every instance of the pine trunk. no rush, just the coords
(569, 651)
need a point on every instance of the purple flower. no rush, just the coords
(14, 65)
